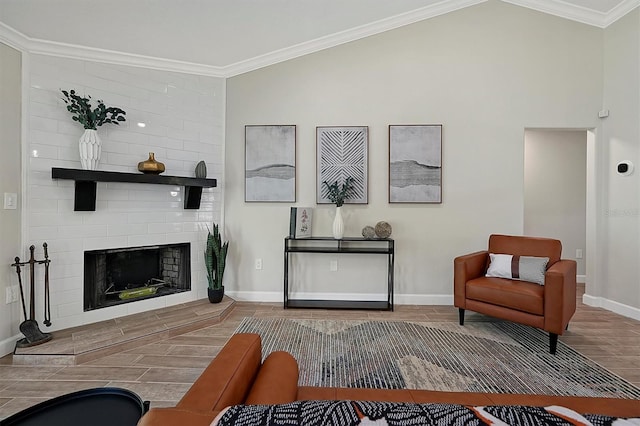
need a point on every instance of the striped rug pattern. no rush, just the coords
(494, 356)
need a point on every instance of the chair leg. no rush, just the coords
(461, 315)
(553, 343)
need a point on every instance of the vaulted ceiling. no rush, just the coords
(238, 35)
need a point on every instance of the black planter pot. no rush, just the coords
(215, 295)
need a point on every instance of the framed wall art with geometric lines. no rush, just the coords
(342, 152)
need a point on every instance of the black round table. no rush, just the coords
(95, 407)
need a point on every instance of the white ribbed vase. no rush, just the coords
(90, 147)
(338, 224)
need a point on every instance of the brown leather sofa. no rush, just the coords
(548, 307)
(237, 376)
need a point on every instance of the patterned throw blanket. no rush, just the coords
(352, 413)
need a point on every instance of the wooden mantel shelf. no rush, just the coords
(85, 185)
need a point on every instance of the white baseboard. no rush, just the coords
(610, 305)
(424, 299)
(581, 279)
(256, 296)
(400, 299)
(7, 346)
(412, 299)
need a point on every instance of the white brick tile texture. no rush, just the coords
(184, 115)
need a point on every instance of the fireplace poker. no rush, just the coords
(24, 307)
(47, 298)
(32, 284)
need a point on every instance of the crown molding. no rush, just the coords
(620, 10)
(564, 10)
(13, 38)
(21, 42)
(45, 47)
(559, 8)
(73, 51)
(441, 8)
(577, 13)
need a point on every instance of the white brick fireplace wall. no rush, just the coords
(184, 117)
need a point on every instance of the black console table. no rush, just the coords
(343, 246)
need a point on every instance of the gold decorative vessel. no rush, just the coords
(151, 165)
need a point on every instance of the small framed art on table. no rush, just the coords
(300, 222)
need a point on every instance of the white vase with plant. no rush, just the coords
(90, 145)
(338, 224)
(337, 194)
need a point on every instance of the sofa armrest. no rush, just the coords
(559, 295)
(277, 380)
(465, 268)
(171, 416)
(228, 378)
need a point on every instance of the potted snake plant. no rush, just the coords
(215, 256)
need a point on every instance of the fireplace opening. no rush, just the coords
(122, 275)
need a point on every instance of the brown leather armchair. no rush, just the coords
(548, 307)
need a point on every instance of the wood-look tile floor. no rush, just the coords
(161, 371)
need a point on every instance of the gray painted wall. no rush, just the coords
(619, 270)
(485, 73)
(10, 224)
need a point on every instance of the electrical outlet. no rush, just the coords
(9, 295)
(258, 263)
(333, 265)
(578, 253)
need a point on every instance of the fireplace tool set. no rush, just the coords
(29, 327)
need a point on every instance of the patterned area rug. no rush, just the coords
(495, 357)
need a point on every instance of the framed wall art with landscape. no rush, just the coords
(270, 163)
(342, 152)
(415, 163)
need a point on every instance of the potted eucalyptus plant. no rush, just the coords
(215, 256)
(337, 194)
(91, 118)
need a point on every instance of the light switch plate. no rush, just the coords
(12, 294)
(10, 201)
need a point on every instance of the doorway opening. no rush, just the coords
(557, 190)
